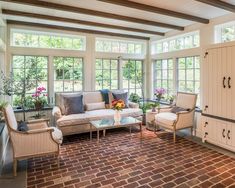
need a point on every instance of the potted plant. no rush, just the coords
(3, 104)
(159, 93)
(134, 98)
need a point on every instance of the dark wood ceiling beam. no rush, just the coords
(75, 21)
(149, 8)
(219, 4)
(56, 27)
(78, 10)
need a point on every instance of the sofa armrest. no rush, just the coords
(56, 112)
(133, 105)
(185, 119)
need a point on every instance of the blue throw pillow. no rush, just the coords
(74, 105)
(122, 96)
(22, 126)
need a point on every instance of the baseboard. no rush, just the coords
(198, 133)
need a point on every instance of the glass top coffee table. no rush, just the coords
(105, 124)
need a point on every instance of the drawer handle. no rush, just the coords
(223, 133)
(205, 108)
(228, 135)
(224, 82)
(206, 133)
(206, 123)
(229, 79)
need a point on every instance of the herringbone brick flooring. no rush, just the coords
(123, 161)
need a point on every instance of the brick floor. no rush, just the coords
(121, 160)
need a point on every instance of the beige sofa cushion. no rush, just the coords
(95, 106)
(92, 97)
(76, 119)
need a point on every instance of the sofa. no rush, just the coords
(79, 123)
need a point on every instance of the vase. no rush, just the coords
(117, 116)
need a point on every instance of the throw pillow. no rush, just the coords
(59, 99)
(95, 106)
(122, 96)
(22, 126)
(73, 105)
(177, 109)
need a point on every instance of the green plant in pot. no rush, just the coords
(134, 98)
(144, 107)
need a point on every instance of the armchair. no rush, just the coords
(180, 120)
(37, 141)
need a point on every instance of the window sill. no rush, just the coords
(33, 110)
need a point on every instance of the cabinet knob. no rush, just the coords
(228, 134)
(205, 107)
(206, 133)
(206, 123)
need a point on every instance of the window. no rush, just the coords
(68, 74)
(225, 32)
(132, 76)
(106, 74)
(119, 46)
(28, 38)
(189, 75)
(163, 75)
(186, 41)
(30, 67)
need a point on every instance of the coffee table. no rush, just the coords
(105, 124)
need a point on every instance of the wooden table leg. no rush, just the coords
(98, 136)
(141, 130)
(104, 132)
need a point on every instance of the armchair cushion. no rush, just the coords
(166, 118)
(22, 126)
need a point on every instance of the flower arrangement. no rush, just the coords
(118, 104)
(39, 98)
(159, 93)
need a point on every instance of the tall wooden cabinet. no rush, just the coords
(218, 96)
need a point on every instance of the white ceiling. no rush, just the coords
(191, 7)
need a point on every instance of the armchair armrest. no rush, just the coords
(133, 104)
(33, 143)
(185, 119)
(56, 112)
(38, 124)
(33, 131)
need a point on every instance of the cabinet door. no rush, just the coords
(223, 84)
(221, 132)
(205, 83)
(231, 93)
(230, 134)
(209, 126)
(229, 97)
(211, 81)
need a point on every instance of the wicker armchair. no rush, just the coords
(37, 141)
(180, 120)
